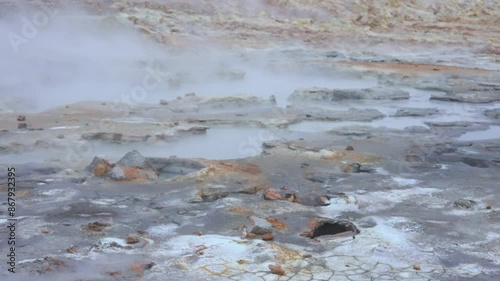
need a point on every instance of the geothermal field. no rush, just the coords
(249, 140)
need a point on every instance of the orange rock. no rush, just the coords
(95, 226)
(306, 234)
(272, 194)
(238, 209)
(132, 239)
(131, 173)
(276, 269)
(417, 267)
(141, 266)
(199, 233)
(277, 223)
(72, 249)
(268, 237)
(101, 170)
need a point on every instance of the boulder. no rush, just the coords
(99, 167)
(133, 166)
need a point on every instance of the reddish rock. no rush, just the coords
(133, 167)
(241, 210)
(272, 194)
(268, 237)
(281, 226)
(417, 267)
(21, 118)
(306, 234)
(132, 239)
(276, 269)
(349, 148)
(95, 226)
(141, 266)
(251, 236)
(99, 167)
(72, 249)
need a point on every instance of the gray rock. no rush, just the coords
(352, 114)
(332, 95)
(464, 203)
(415, 112)
(135, 159)
(493, 113)
(470, 97)
(259, 226)
(351, 168)
(449, 124)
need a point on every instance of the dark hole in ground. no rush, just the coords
(332, 227)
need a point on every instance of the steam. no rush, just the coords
(57, 57)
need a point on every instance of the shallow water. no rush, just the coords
(493, 132)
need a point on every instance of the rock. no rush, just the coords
(21, 118)
(352, 114)
(478, 163)
(163, 102)
(233, 101)
(464, 203)
(417, 267)
(141, 266)
(212, 194)
(276, 269)
(95, 226)
(332, 95)
(259, 226)
(267, 236)
(133, 166)
(272, 194)
(470, 97)
(415, 112)
(99, 167)
(349, 148)
(132, 239)
(281, 226)
(135, 159)
(72, 249)
(22, 126)
(351, 168)
(449, 124)
(493, 113)
(322, 201)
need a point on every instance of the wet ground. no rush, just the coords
(269, 163)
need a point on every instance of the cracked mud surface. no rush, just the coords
(292, 154)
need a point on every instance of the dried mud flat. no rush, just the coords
(273, 140)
